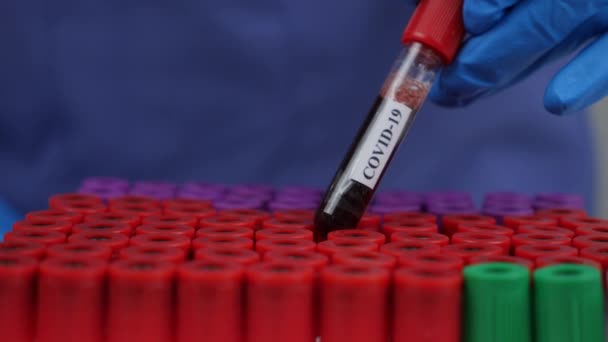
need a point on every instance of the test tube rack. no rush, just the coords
(121, 261)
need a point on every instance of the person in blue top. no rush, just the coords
(273, 91)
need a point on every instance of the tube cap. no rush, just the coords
(439, 25)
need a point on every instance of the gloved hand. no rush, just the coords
(509, 39)
(8, 216)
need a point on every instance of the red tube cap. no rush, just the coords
(437, 24)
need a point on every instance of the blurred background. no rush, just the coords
(599, 125)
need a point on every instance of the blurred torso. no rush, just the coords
(242, 91)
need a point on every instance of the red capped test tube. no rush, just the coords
(367, 259)
(265, 246)
(141, 210)
(297, 223)
(103, 227)
(115, 241)
(54, 214)
(555, 260)
(222, 241)
(280, 292)
(39, 224)
(535, 251)
(514, 222)
(560, 213)
(199, 212)
(432, 261)
(354, 303)
(17, 299)
(469, 250)
(165, 228)
(258, 216)
(540, 239)
(450, 223)
(283, 233)
(153, 253)
(485, 238)
(209, 302)
(370, 222)
(171, 219)
(596, 253)
(410, 216)
(358, 234)
(81, 207)
(330, 247)
(584, 241)
(46, 238)
(298, 258)
(401, 249)
(80, 250)
(551, 230)
(427, 305)
(147, 316)
(162, 240)
(60, 200)
(239, 256)
(304, 214)
(71, 300)
(486, 229)
(599, 229)
(575, 222)
(178, 202)
(133, 200)
(408, 225)
(503, 258)
(22, 248)
(431, 238)
(224, 221)
(114, 218)
(225, 232)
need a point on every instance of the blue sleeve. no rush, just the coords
(8, 216)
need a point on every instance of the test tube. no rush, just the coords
(140, 301)
(280, 292)
(354, 304)
(71, 300)
(569, 304)
(450, 223)
(427, 305)
(17, 297)
(358, 234)
(497, 303)
(432, 39)
(209, 302)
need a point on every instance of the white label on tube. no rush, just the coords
(380, 141)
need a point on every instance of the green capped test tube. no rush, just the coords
(569, 304)
(497, 303)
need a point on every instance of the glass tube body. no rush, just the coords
(387, 123)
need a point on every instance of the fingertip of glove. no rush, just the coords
(555, 103)
(478, 18)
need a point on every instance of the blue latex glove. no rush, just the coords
(8, 216)
(509, 39)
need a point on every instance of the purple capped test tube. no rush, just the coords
(201, 195)
(203, 187)
(152, 185)
(105, 183)
(105, 193)
(382, 209)
(159, 194)
(235, 203)
(449, 199)
(558, 200)
(505, 197)
(246, 189)
(399, 197)
(291, 205)
(300, 191)
(290, 197)
(500, 211)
